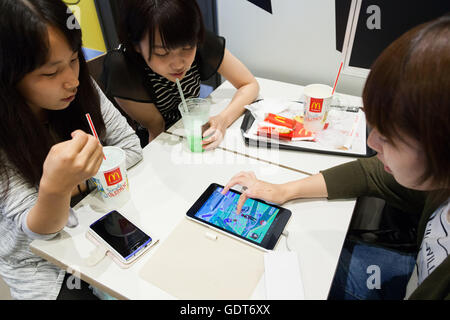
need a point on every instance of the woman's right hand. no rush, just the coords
(254, 188)
(71, 162)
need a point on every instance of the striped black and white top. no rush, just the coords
(127, 76)
(166, 95)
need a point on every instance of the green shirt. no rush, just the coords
(367, 177)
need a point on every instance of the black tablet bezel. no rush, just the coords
(273, 234)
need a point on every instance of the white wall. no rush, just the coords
(295, 44)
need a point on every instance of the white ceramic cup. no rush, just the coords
(318, 99)
(111, 179)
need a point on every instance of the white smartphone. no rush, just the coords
(120, 236)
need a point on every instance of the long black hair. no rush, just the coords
(24, 47)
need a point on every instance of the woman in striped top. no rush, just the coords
(162, 41)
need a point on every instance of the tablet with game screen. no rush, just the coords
(259, 223)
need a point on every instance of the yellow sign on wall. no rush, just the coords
(86, 14)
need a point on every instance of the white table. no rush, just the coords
(164, 186)
(306, 162)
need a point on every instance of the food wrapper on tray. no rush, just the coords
(282, 120)
(278, 127)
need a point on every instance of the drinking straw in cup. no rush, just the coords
(318, 99)
(194, 117)
(91, 124)
(335, 82)
(182, 96)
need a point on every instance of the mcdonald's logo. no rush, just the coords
(280, 118)
(112, 177)
(316, 105)
(302, 132)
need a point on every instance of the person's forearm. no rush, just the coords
(243, 96)
(154, 131)
(82, 186)
(311, 187)
(146, 114)
(50, 213)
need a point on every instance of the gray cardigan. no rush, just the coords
(27, 275)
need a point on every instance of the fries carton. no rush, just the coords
(279, 127)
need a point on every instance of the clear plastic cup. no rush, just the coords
(194, 119)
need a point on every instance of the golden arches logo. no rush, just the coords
(303, 132)
(316, 105)
(113, 177)
(280, 118)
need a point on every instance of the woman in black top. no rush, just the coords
(164, 40)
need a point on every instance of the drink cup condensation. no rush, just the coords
(111, 179)
(318, 99)
(194, 119)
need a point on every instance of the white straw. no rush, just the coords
(182, 96)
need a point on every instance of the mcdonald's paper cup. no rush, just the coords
(111, 179)
(317, 102)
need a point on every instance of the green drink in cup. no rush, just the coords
(194, 118)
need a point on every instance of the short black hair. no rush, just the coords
(180, 23)
(407, 92)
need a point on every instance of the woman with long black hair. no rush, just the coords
(46, 155)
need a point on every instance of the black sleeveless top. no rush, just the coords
(127, 76)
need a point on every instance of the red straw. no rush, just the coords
(91, 124)
(335, 82)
